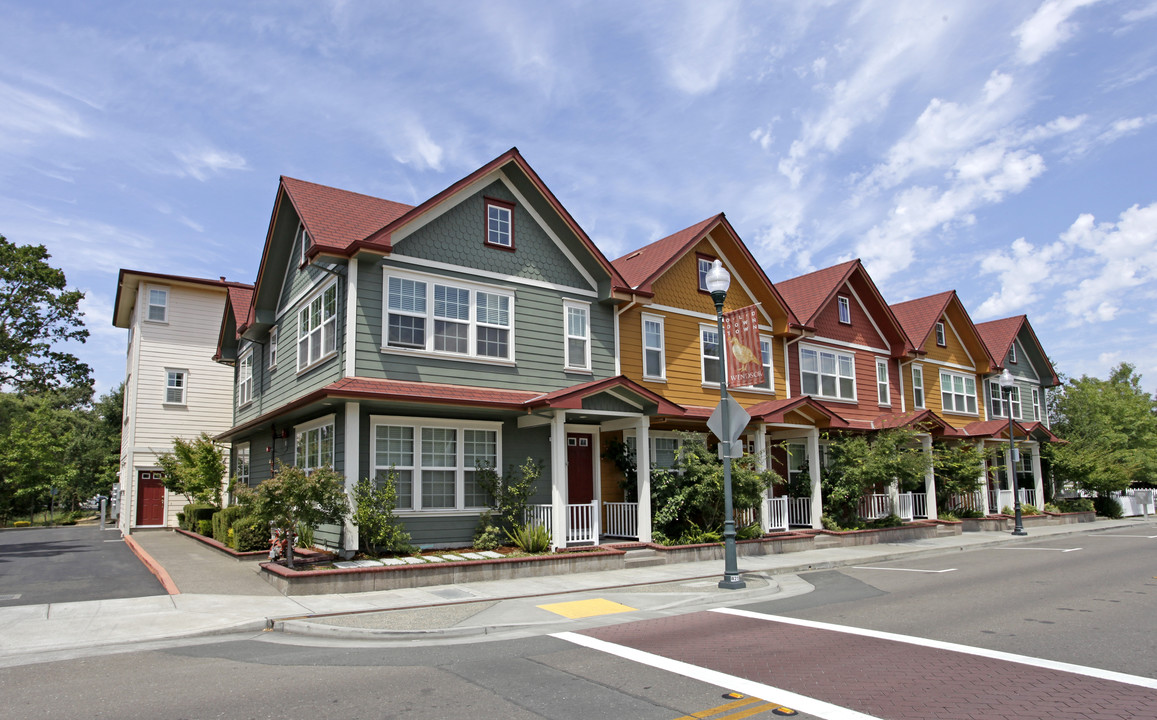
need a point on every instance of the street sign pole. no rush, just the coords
(731, 579)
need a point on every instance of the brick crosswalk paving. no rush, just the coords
(881, 677)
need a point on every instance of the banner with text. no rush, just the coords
(741, 338)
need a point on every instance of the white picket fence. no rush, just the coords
(582, 521)
(775, 511)
(1004, 499)
(967, 501)
(875, 506)
(621, 520)
(799, 511)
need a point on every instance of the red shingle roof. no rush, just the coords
(999, 334)
(383, 389)
(335, 218)
(918, 316)
(641, 267)
(239, 298)
(807, 294)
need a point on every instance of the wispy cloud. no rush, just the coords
(703, 41)
(203, 162)
(1047, 29)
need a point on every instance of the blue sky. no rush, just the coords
(1004, 149)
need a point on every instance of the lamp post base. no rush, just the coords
(732, 582)
(1019, 531)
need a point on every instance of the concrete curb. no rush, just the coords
(153, 566)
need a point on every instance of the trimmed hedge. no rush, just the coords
(195, 513)
(1074, 504)
(223, 523)
(250, 533)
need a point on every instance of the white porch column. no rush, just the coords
(983, 477)
(351, 461)
(813, 465)
(929, 477)
(558, 486)
(1038, 481)
(762, 463)
(643, 476)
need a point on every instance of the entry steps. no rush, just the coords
(643, 557)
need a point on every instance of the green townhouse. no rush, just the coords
(477, 327)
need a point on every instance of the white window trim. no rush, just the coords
(1037, 410)
(299, 430)
(843, 308)
(833, 398)
(644, 319)
(569, 363)
(1012, 353)
(503, 207)
(418, 424)
(699, 273)
(702, 358)
(769, 369)
(941, 335)
(975, 389)
(1017, 405)
(272, 351)
(245, 385)
(652, 435)
(184, 401)
(302, 239)
(304, 308)
(885, 385)
(474, 288)
(239, 450)
(918, 372)
(149, 305)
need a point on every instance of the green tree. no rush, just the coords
(37, 312)
(857, 464)
(958, 468)
(379, 530)
(195, 468)
(1111, 431)
(293, 497)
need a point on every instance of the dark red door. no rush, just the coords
(580, 469)
(150, 498)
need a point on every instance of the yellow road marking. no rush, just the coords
(586, 608)
(716, 711)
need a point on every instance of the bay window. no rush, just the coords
(317, 328)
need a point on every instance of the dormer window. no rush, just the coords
(845, 307)
(499, 224)
(941, 336)
(302, 240)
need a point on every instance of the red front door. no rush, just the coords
(580, 474)
(150, 498)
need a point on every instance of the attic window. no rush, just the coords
(845, 307)
(1012, 353)
(499, 224)
(704, 263)
(941, 337)
(302, 240)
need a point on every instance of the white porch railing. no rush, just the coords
(875, 506)
(1028, 497)
(582, 521)
(994, 497)
(775, 512)
(967, 501)
(745, 517)
(621, 519)
(919, 505)
(799, 511)
(906, 507)
(1004, 500)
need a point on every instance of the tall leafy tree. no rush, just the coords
(859, 463)
(36, 313)
(195, 468)
(1111, 431)
(293, 497)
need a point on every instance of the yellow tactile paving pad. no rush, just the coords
(586, 608)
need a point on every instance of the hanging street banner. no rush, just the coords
(741, 338)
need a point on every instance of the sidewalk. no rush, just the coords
(219, 595)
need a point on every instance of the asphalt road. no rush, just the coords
(70, 564)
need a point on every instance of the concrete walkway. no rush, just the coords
(219, 595)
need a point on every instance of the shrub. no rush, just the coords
(749, 532)
(181, 520)
(487, 536)
(1052, 508)
(195, 513)
(697, 536)
(1006, 510)
(223, 522)
(304, 536)
(293, 497)
(205, 527)
(1107, 506)
(1074, 505)
(379, 530)
(530, 538)
(250, 533)
(510, 493)
(1026, 509)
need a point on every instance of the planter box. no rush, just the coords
(1004, 523)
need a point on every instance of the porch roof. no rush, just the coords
(997, 428)
(572, 397)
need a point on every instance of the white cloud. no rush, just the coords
(202, 162)
(1125, 126)
(1117, 257)
(26, 115)
(419, 148)
(1047, 29)
(1023, 272)
(703, 45)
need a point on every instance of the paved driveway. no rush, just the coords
(70, 564)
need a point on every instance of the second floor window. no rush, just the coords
(158, 305)
(999, 407)
(654, 364)
(176, 385)
(273, 348)
(578, 336)
(765, 360)
(1036, 406)
(317, 328)
(709, 355)
(445, 318)
(883, 388)
(827, 373)
(245, 379)
(958, 393)
(918, 386)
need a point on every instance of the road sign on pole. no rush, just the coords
(737, 419)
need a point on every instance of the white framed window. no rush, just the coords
(766, 360)
(317, 328)
(245, 379)
(158, 299)
(883, 386)
(500, 224)
(313, 446)
(941, 335)
(827, 373)
(241, 463)
(845, 309)
(710, 370)
(704, 265)
(578, 335)
(664, 446)
(654, 349)
(176, 386)
(1012, 353)
(958, 393)
(448, 318)
(918, 386)
(273, 333)
(435, 461)
(303, 241)
(999, 408)
(1036, 406)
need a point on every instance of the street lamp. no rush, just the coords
(1006, 385)
(718, 280)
